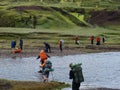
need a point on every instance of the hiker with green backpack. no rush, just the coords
(77, 75)
(47, 69)
(46, 65)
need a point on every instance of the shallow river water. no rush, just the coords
(99, 69)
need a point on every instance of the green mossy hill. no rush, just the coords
(58, 13)
(23, 16)
(29, 85)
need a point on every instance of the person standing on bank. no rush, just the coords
(61, 44)
(92, 40)
(76, 40)
(77, 75)
(13, 44)
(47, 47)
(98, 40)
(103, 39)
(21, 43)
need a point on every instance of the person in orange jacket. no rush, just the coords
(17, 50)
(43, 58)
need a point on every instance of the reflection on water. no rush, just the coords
(100, 69)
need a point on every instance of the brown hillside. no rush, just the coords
(104, 17)
(39, 8)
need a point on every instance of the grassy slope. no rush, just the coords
(36, 37)
(46, 19)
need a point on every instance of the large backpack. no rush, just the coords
(48, 66)
(78, 75)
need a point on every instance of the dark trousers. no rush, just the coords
(21, 47)
(47, 49)
(92, 42)
(98, 43)
(75, 86)
(61, 48)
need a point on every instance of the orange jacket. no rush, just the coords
(43, 55)
(17, 51)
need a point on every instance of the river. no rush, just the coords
(99, 69)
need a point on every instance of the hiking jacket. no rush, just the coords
(43, 56)
(21, 42)
(92, 38)
(71, 75)
(98, 39)
(76, 78)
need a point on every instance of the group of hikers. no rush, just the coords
(75, 72)
(45, 64)
(17, 49)
(98, 40)
(60, 43)
(92, 38)
(47, 46)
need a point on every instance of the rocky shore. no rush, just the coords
(33, 52)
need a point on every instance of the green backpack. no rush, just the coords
(48, 66)
(78, 75)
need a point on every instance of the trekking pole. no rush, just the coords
(52, 76)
